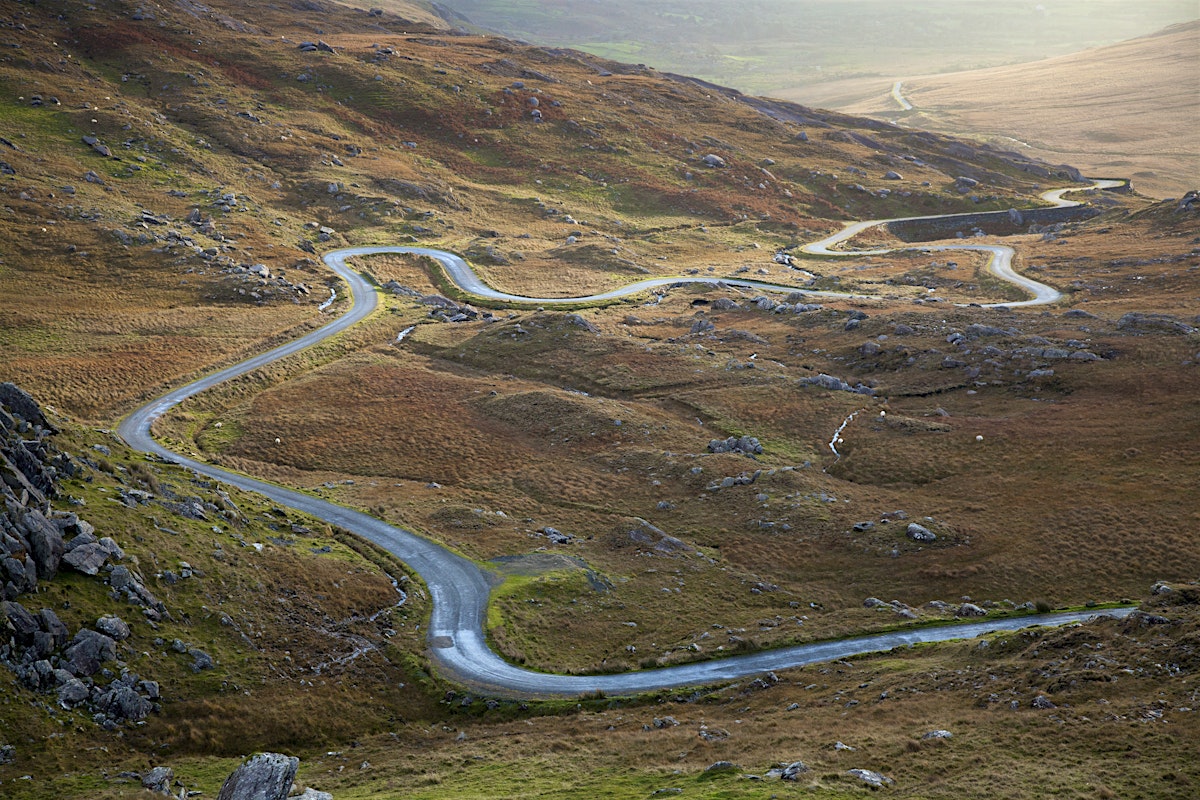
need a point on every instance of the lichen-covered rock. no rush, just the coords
(113, 627)
(919, 533)
(264, 776)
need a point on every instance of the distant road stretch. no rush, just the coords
(899, 98)
(459, 589)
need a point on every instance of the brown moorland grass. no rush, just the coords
(1048, 507)
(1072, 507)
(1124, 109)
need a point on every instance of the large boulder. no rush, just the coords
(45, 542)
(113, 627)
(87, 558)
(22, 625)
(88, 650)
(264, 776)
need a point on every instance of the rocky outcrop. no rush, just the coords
(36, 542)
(835, 384)
(746, 445)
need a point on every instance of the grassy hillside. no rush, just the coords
(1127, 108)
(171, 175)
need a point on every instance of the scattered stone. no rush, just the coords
(714, 161)
(938, 734)
(722, 766)
(871, 778)
(1042, 702)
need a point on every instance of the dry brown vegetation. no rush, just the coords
(1127, 109)
(486, 434)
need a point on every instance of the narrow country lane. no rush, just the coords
(459, 589)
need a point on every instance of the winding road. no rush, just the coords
(459, 588)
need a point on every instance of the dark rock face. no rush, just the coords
(265, 776)
(88, 650)
(35, 542)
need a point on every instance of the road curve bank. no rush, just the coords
(460, 589)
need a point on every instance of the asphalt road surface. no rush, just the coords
(459, 589)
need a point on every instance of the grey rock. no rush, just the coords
(21, 623)
(121, 703)
(919, 533)
(713, 160)
(722, 766)
(113, 627)
(1042, 702)
(976, 330)
(264, 776)
(312, 794)
(938, 734)
(121, 577)
(736, 444)
(200, 660)
(871, 778)
(892, 175)
(970, 610)
(52, 625)
(159, 780)
(88, 650)
(793, 771)
(45, 542)
(72, 692)
(86, 558)
(21, 404)
(649, 534)
(1140, 322)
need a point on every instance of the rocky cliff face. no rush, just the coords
(35, 543)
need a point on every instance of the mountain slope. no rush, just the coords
(1131, 108)
(123, 122)
(172, 173)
